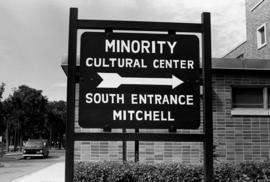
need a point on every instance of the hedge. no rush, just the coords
(169, 172)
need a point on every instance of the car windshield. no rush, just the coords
(34, 144)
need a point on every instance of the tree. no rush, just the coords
(26, 112)
(2, 89)
(2, 124)
(7, 119)
(56, 120)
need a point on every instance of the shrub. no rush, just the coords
(169, 172)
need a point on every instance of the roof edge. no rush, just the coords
(235, 48)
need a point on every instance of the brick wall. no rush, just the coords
(238, 138)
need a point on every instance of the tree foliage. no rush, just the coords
(2, 126)
(29, 114)
(56, 119)
(2, 89)
(29, 110)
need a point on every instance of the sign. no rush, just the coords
(132, 80)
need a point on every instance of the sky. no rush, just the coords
(34, 33)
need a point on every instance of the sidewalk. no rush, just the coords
(53, 173)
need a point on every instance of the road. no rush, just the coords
(15, 166)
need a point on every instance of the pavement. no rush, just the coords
(53, 173)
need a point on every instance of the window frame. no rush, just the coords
(259, 35)
(256, 5)
(264, 111)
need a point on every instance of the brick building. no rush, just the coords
(241, 107)
(257, 45)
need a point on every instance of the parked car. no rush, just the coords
(36, 148)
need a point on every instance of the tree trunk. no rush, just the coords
(7, 135)
(21, 142)
(59, 142)
(20, 136)
(50, 140)
(15, 139)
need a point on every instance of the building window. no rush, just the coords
(247, 98)
(261, 36)
(250, 101)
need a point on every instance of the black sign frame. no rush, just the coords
(73, 77)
